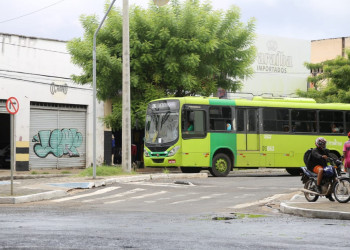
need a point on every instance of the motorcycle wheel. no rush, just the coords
(310, 185)
(342, 190)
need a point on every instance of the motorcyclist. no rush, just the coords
(318, 160)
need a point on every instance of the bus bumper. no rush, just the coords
(161, 162)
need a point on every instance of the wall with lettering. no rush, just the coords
(279, 66)
(39, 70)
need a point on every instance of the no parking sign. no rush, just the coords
(12, 105)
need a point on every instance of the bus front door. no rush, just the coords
(248, 139)
(195, 142)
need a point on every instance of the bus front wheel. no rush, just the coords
(221, 166)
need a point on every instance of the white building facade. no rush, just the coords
(279, 66)
(53, 125)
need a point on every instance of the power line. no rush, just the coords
(30, 13)
(23, 46)
(34, 74)
(38, 82)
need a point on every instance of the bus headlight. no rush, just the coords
(146, 153)
(173, 151)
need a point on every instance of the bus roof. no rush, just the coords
(258, 101)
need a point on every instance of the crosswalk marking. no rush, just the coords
(101, 191)
(159, 184)
(136, 197)
(116, 195)
(169, 198)
(197, 199)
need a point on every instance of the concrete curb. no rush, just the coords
(22, 177)
(147, 177)
(33, 197)
(90, 184)
(288, 208)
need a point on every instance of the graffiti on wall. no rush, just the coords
(57, 142)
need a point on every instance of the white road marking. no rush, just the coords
(198, 199)
(159, 184)
(248, 188)
(243, 196)
(101, 191)
(137, 197)
(169, 198)
(116, 195)
(263, 201)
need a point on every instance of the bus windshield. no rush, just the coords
(162, 122)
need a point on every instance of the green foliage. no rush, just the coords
(105, 171)
(333, 84)
(175, 50)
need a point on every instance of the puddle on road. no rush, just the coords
(184, 183)
(234, 216)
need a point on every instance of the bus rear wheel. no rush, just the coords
(293, 171)
(221, 166)
(190, 170)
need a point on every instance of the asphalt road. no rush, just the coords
(209, 214)
(235, 192)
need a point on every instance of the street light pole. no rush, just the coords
(94, 90)
(126, 122)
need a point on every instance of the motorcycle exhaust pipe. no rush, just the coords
(310, 192)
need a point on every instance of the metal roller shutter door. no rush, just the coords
(58, 138)
(3, 106)
(76, 136)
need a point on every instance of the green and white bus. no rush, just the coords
(196, 133)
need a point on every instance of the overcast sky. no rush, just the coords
(302, 19)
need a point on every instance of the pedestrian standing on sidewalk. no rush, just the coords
(113, 149)
(346, 155)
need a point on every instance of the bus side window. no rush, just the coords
(240, 120)
(193, 124)
(304, 121)
(347, 120)
(331, 122)
(219, 117)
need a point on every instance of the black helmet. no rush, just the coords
(321, 142)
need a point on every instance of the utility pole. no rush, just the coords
(126, 123)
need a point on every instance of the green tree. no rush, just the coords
(333, 83)
(176, 50)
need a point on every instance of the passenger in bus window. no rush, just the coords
(190, 126)
(228, 126)
(335, 129)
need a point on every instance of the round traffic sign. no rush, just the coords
(12, 105)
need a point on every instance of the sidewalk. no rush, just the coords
(30, 187)
(322, 208)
